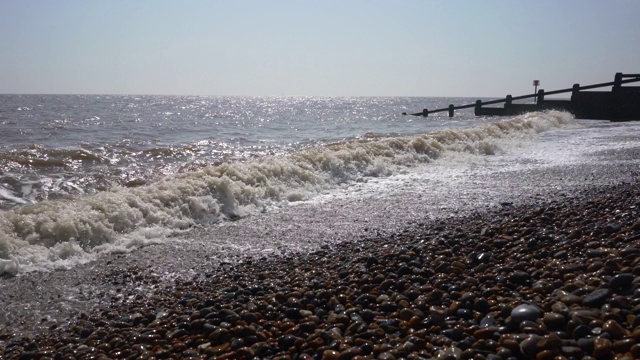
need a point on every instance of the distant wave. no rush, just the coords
(58, 233)
(37, 155)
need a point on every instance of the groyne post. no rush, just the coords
(575, 90)
(508, 101)
(617, 81)
(425, 112)
(451, 110)
(540, 97)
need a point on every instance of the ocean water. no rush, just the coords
(85, 176)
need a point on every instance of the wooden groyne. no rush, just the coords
(621, 103)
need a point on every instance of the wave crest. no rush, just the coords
(230, 191)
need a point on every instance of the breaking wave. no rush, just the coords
(63, 232)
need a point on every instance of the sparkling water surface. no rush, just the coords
(54, 145)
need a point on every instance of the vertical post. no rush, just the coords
(574, 90)
(540, 98)
(617, 81)
(451, 110)
(508, 101)
(477, 108)
(425, 112)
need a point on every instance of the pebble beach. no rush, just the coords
(554, 279)
(297, 181)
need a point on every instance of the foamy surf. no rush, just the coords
(58, 234)
(8, 195)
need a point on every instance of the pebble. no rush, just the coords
(525, 312)
(596, 298)
(602, 348)
(529, 346)
(615, 329)
(622, 281)
(554, 321)
(519, 277)
(330, 355)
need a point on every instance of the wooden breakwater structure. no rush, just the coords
(621, 103)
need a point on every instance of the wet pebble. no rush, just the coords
(596, 298)
(554, 321)
(525, 312)
(622, 281)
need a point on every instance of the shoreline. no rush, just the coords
(553, 278)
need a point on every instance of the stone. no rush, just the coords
(546, 355)
(519, 277)
(560, 308)
(602, 348)
(177, 333)
(615, 329)
(635, 351)
(450, 353)
(611, 228)
(464, 313)
(481, 305)
(622, 281)
(623, 346)
(386, 356)
(581, 331)
(488, 321)
(229, 316)
(286, 341)
(350, 353)
(330, 355)
(553, 321)
(529, 347)
(596, 298)
(456, 334)
(586, 344)
(571, 299)
(484, 333)
(549, 342)
(388, 306)
(584, 316)
(371, 260)
(525, 312)
(406, 314)
(484, 257)
(571, 351)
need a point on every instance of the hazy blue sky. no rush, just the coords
(327, 48)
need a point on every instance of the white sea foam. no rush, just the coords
(7, 195)
(60, 233)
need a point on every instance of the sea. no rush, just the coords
(88, 176)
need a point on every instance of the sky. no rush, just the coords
(314, 47)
